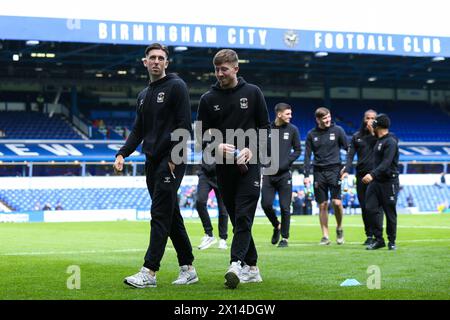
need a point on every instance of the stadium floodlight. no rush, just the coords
(437, 59)
(321, 54)
(372, 79)
(32, 42)
(122, 72)
(243, 61)
(15, 57)
(180, 49)
(430, 81)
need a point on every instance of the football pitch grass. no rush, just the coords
(35, 260)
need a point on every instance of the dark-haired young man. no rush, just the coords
(162, 107)
(281, 181)
(233, 105)
(383, 184)
(325, 141)
(362, 144)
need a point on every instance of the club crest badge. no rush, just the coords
(160, 97)
(244, 103)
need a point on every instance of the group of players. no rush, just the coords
(234, 104)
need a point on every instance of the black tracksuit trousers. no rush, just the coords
(283, 185)
(382, 194)
(165, 212)
(240, 194)
(361, 189)
(205, 185)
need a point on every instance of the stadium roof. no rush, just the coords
(75, 62)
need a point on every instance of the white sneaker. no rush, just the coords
(142, 279)
(250, 275)
(232, 276)
(207, 241)
(186, 276)
(340, 236)
(223, 244)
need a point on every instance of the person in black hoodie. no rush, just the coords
(233, 104)
(281, 181)
(162, 107)
(383, 184)
(326, 141)
(362, 144)
(207, 181)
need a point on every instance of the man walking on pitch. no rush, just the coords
(362, 144)
(232, 104)
(207, 181)
(325, 141)
(383, 184)
(162, 108)
(281, 181)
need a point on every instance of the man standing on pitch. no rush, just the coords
(362, 144)
(383, 184)
(162, 107)
(207, 181)
(233, 105)
(281, 181)
(325, 141)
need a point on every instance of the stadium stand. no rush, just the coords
(36, 125)
(427, 198)
(406, 117)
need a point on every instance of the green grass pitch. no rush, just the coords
(34, 259)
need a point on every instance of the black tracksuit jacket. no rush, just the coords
(386, 156)
(242, 107)
(162, 107)
(289, 138)
(326, 145)
(362, 144)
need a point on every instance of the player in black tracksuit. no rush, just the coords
(232, 103)
(325, 141)
(383, 184)
(162, 107)
(362, 144)
(207, 181)
(281, 181)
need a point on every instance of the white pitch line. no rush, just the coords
(359, 243)
(39, 253)
(358, 225)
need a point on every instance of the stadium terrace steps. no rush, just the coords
(426, 198)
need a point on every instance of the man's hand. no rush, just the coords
(367, 179)
(226, 150)
(244, 156)
(118, 164)
(172, 168)
(370, 128)
(306, 181)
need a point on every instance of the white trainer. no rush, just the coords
(207, 241)
(186, 276)
(232, 276)
(250, 275)
(223, 244)
(340, 236)
(142, 279)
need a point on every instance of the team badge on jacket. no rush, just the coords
(216, 107)
(332, 136)
(160, 98)
(244, 103)
(286, 136)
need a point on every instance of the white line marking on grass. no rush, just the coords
(359, 243)
(38, 253)
(357, 225)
